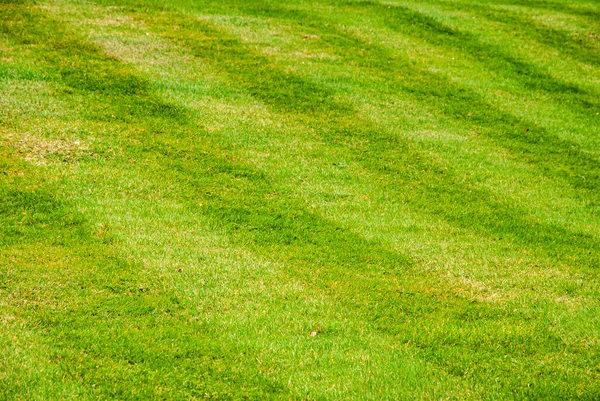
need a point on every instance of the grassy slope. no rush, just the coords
(188, 191)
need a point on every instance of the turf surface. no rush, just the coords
(325, 200)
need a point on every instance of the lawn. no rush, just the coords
(299, 200)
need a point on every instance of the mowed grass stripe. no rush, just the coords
(96, 342)
(533, 143)
(402, 103)
(98, 316)
(387, 155)
(105, 326)
(250, 220)
(523, 138)
(242, 212)
(584, 49)
(584, 9)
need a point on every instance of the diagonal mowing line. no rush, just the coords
(561, 41)
(314, 236)
(249, 219)
(479, 211)
(554, 157)
(278, 228)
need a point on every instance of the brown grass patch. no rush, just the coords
(40, 151)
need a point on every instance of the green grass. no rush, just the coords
(301, 200)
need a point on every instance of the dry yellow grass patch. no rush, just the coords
(40, 151)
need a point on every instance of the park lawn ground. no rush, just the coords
(308, 200)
